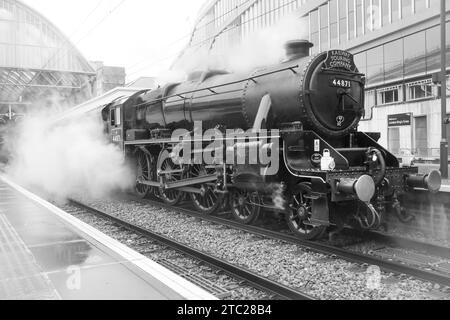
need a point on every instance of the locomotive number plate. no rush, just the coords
(340, 83)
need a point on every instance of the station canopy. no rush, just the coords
(37, 60)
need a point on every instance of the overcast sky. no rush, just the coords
(141, 35)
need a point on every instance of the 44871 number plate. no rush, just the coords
(340, 83)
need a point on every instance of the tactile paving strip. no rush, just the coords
(20, 275)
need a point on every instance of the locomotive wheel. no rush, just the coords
(243, 206)
(208, 201)
(142, 173)
(171, 197)
(299, 218)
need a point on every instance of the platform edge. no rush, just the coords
(170, 279)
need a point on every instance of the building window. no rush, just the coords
(323, 10)
(448, 37)
(342, 5)
(314, 27)
(333, 23)
(359, 18)
(394, 140)
(361, 62)
(375, 65)
(406, 8)
(433, 47)
(438, 89)
(389, 95)
(420, 5)
(395, 5)
(448, 86)
(393, 60)
(351, 19)
(421, 133)
(375, 12)
(385, 12)
(367, 14)
(419, 90)
(369, 103)
(414, 49)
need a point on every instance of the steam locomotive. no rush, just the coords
(303, 113)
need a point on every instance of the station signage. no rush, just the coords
(397, 120)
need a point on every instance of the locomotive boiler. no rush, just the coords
(303, 112)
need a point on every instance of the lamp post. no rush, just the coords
(443, 78)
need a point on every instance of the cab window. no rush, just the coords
(115, 117)
(118, 117)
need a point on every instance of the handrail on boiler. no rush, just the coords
(219, 86)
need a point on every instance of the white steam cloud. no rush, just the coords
(263, 47)
(64, 160)
(75, 157)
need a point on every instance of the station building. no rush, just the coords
(396, 43)
(39, 65)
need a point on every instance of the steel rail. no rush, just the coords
(238, 272)
(323, 248)
(407, 243)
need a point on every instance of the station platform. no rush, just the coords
(47, 254)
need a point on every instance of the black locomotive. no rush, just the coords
(330, 174)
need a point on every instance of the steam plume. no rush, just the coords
(263, 47)
(66, 159)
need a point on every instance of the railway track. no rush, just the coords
(441, 278)
(407, 243)
(255, 280)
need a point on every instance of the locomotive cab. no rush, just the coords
(113, 121)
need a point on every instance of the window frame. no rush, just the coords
(409, 86)
(381, 100)
(118, 116)
(369, 96)
(115, 116)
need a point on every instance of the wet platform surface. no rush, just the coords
(42, 257)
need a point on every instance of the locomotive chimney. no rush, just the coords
(297, 49)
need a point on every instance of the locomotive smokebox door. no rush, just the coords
(333, 94)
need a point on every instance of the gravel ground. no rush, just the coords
(316, 274)
(233, 288)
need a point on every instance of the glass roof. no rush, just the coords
(28, 40)
(36, 57)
